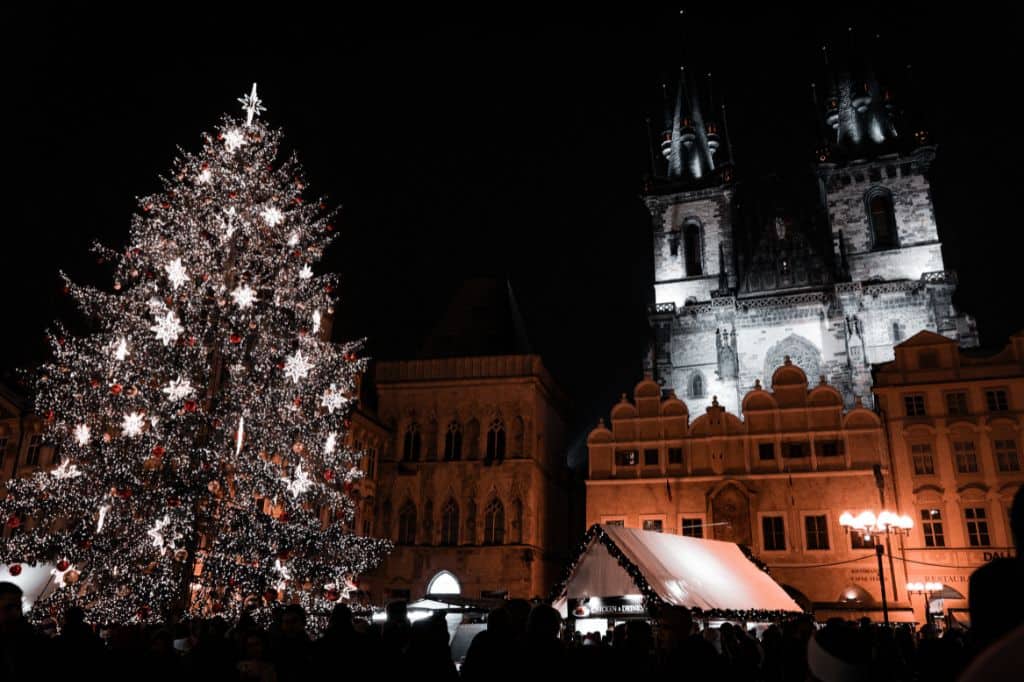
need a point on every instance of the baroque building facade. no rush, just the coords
(774, 481)
(834, 285)
(955, 422)
(473, 485)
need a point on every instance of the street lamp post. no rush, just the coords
(868, 524)
(927, 589)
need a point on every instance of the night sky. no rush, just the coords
(510, 149)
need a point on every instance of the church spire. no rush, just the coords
(691, 142)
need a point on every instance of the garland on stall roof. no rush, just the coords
(651, 599)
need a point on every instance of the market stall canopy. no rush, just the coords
(716, 577)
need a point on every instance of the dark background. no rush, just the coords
(510, 148)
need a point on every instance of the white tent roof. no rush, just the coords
(690, 572)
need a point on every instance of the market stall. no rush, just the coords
(620, 573)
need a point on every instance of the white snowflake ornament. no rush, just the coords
(233, 139)
(333, 399)
(167, 328)
(306, 272)
(131, 426)
(178, 389)
(272, 216)
(82, 434)
(176, 273)
(244, 296)
(297, 367)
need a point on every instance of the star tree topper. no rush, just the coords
(252, 105)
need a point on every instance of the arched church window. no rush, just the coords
(495, 442)
(673, 242)
(883, 219)
(453, 442)
(494, 523)
(407, 524)
(692, 250)
(450, 523)
(411, 449)
(697, 385)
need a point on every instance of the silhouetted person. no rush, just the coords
(682, 650)
(24, 653)
(996, 601)
(491, 650)
(544, 653)
(292, 650)
(254, 663)
(429, 655)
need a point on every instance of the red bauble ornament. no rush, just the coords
(50, 416)
(116, 389)
(297, 200)
(270, 595)
(216, 423)
(94, 382)
(280, 364)
(328, 475)
(173, 502)
(15, 569)
(85, 544)
(330, 228)
(191, 340)
(142, 613)
(67, 290)
(232, 195)
(329, 288)
(158, 451)
(14, 522)
(297, 402)
(190, 406)
(204, 165)
(124, 493)
(348, 486)
(165, 205)
(63, 565)
(332, 595)
(235, 338)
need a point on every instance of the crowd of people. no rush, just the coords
(523, 641)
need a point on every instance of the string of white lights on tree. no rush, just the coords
(201, 427)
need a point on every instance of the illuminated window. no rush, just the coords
(1006, 455)
(692, 528)
(673, 243)
(411, 444)
(35, 445)
(883, 220)
(966, 457)
(773, 531)
(450, 523)
(453, 442)
(914, 405)
(494, 523)
(656, 525)
(407, 524)
(615, 522)
(371, 462)
(625, 458)
(931, 526)
(924, 464)
(444, 583)
(816, 528)
(996, 401)
(898, 332)
(977, 526)
(956, 404)
(692, 250)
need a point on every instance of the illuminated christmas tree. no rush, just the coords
(201, 428)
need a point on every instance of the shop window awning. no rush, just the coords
(713, 576)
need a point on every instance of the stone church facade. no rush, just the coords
(833, 286)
